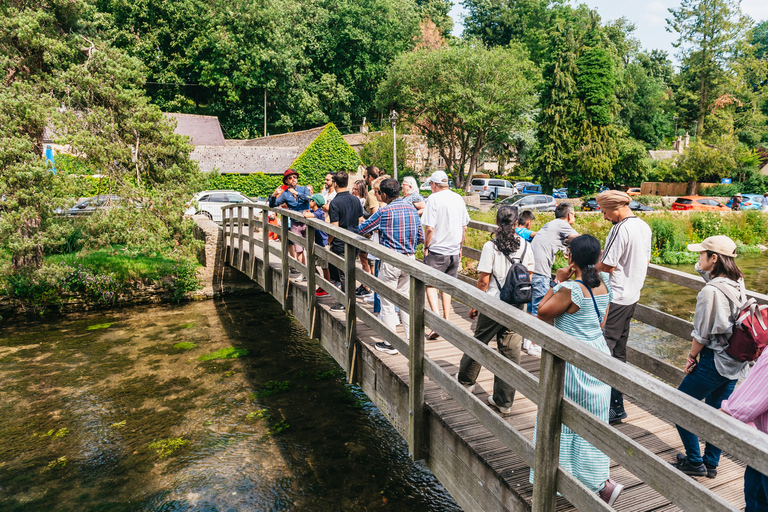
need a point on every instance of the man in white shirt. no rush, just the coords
(445, 222)
(328, 192)
(626, 256)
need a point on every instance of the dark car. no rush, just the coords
(590, 205)
(639, 207)
(91, 205)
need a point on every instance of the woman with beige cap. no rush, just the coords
(714, 374)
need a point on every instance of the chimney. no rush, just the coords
(364, 127)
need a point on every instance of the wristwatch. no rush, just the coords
(552, 283)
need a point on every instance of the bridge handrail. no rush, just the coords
(741, 441)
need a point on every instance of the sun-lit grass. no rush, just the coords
(125, 265)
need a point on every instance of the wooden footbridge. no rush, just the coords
(481, 457)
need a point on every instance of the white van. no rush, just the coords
(492, 188)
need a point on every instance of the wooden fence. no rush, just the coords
(642, 380)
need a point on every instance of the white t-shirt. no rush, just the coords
(446, 213)
(628, 249)
(328, 196)
(493, 261)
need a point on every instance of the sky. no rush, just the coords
(648, 16)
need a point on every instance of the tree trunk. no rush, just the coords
(33, 258)
(691, 188)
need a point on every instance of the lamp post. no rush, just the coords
(675, 118)
(393, 120)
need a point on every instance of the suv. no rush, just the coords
(492, 188)
(537, 202)
(532, 189)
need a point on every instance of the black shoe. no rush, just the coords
(383, 346)
(711, 470)
(616, 415)
(362, 292)
(689, 469)
(339, 307)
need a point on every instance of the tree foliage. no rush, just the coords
(461, 97)
(379, 151)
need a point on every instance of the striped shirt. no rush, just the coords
(398, 225)
(749, 403)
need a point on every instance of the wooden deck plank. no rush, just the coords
(654, 433)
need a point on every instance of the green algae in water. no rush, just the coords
(98, 326)
(185, 345)
(57, 463)
(261, 414)
(270, 388)
(280, 426)
(165, 447)
(224, 353)
(57, 434)
(119, 424)
(188, 326)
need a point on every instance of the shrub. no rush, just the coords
(721, 190)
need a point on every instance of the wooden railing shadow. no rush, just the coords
(644, 383)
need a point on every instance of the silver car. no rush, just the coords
(209, 203)
(492, 188)
(534, 202)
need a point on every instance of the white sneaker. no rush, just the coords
(469, 387)
(534, 350)
(369, 299)
(300, 279)
(526, 344)
(503, 410)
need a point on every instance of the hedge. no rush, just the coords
(329, 152)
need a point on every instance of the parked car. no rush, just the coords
(749, 201)
(590, 205)
(520, 185)
(91, 205)
(633, 191)
(535, 202)
(209, 203)
(560, 193)
(698, 203)
(639, 207)
(532, 189)
(492, 188)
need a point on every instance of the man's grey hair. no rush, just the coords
(563, 209)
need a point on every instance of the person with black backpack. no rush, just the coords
(505, 268)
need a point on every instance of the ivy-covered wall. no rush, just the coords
(329, 152)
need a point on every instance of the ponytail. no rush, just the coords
(585, 251)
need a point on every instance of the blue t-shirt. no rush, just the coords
(321, 237)
(524, 233)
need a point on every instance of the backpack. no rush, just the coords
(517, 288)
(750, 329)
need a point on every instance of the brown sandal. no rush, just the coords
(433, 336)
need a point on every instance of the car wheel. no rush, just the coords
(491, 196)
(207, 214)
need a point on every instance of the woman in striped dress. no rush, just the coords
(578, 307)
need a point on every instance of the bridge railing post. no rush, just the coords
(266, 270)
(350, 256)
(240, 238)
(251, 259)
(311, 297)
(548, 424)
(284, 260)
(416, 416)
(231, 236)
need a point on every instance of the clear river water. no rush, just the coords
(116, 411)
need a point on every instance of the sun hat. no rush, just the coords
(737, 194)
(438, 177)
(613, 199)
(318, 199)
(289, 172)
(720, 244)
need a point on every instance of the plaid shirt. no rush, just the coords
(399, 227)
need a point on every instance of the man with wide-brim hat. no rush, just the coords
(295, 198)
(736, 201)
(626, 256)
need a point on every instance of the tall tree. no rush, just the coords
(708, 32)
(461, 97)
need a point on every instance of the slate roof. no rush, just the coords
(203, 130)
(300, 139)
(663, 154)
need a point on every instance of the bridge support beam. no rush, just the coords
(416, 414)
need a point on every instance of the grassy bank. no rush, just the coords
(672, 232)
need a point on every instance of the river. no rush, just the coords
(106, 411)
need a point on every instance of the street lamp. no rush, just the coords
(393, 120)
(675, 118)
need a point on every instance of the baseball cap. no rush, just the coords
(720, 244)
(318, 199)
(438, 177)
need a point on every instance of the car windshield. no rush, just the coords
(511, 199)
(682, 200)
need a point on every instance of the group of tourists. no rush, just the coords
(593, 299)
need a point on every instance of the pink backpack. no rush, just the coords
(750, 330)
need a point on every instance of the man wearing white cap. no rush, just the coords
(445, 222)
(626, 256)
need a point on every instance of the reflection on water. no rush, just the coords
(101, 412)
(681, 302)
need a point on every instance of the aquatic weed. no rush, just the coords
(224, 353)
(165, 447)
(279, 427)
(57, 463)
(185, 345)
(119, 424)
(98, 326)
(272, 387)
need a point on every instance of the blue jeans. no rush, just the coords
(540, 287)
(755, 491)
(704, 382)
(376, 299)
